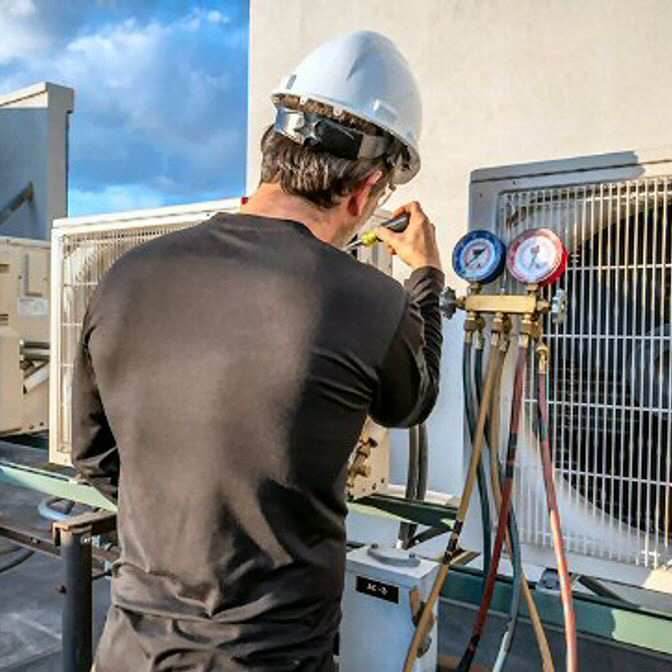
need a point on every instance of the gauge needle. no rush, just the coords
(535, 251)
(477, 253)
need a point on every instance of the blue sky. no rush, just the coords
(160, 94)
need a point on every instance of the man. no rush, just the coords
(225, 373)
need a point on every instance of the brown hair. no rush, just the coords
(311, 173)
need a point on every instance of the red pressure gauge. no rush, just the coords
(537, 257)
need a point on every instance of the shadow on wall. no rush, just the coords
(24, 159)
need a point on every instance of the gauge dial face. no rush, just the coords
(479, 257)
(537, 257)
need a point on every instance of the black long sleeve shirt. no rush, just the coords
(223, 377)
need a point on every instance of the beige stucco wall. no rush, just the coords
(504, 81)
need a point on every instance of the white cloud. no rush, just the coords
(18, 8)
(113, 198)
(215, 16)
(156, 103)
(21, 34)
(133, 71)
(196, 17)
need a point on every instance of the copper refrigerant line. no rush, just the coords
(530, 309)
(553, 511)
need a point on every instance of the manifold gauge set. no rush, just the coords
(535, 257)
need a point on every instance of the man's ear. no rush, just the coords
(359, 198)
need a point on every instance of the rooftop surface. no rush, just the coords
(30, 615)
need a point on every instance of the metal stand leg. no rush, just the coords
(73, 537)
(78, 606)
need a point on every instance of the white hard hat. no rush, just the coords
(363, 73)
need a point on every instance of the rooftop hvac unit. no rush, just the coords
(610, 391)
(24, 335)
(83, 248)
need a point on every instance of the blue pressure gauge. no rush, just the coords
(479, 257)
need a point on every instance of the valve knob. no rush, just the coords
(559, 306)
(448, 302)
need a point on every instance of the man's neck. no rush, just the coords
(270, 201)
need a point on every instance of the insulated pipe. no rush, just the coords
(423, 460)
(416, 482)
(513, 546)
(39, 345)
(17, 560)
(479, 625)
(35, 354)
(423, 473)
(554, 513)
(406, 530)
(36, 378)
(498, 350)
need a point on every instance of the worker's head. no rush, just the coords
(347, 127)
(328, 181)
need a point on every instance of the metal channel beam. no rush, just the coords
(424, 513)
(596, 616)
(27, 539)
(57, 484)
(617, 621)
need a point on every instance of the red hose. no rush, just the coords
(556, 532)
(502, 526)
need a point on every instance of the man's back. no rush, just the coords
(228, 369)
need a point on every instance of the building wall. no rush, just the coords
(34, 148)
(504, 81)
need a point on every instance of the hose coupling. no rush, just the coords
(473, 322)
(542, 357)
(501, 323)
(530, 327)
(480, 340)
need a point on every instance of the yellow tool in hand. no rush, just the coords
(396, 224)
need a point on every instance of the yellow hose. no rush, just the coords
(537, 626)
(495, 362)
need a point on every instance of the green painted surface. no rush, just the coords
(53, 484)
(600, 617)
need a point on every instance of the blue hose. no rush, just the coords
(486, 523)
(516, 556)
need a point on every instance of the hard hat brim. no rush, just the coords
(400, 175)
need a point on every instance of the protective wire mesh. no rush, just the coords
(610, 388)
(85, 257)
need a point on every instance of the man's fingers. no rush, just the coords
(414, 209)
(384, 234)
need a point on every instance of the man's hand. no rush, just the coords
(417, 244)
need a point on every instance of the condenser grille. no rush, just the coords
(81, 258)
(85, 257)
(611, 368)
